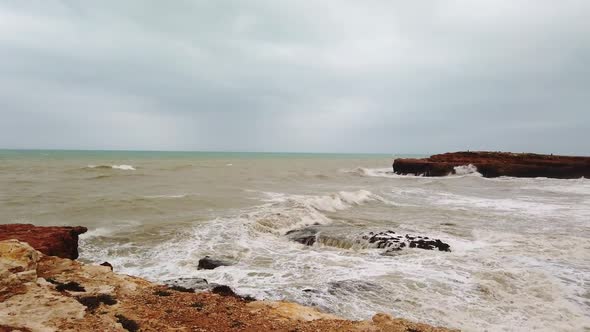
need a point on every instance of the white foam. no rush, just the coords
(119, 167)
(331, 202)
(124, 167)
(121, 225)
(374, 172)
(466, 169)
(520, 205)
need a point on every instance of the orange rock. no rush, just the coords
(61, 241)
(494, 164)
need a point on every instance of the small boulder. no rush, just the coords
(208, 263)
(307, 236)
(198, 284)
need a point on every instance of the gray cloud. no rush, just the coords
(334, 76)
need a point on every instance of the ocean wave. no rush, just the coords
(286, 212)
(337, 201)
(119, 167)
(466, 170)
(374, 172)
(459, 171)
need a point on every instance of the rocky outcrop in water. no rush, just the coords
(48, 293)
(208, 263)
(61, 241)
(307, 236)
(394, 242)
(388, 240)
(494, 164)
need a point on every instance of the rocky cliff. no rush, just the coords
(61, 241)
(494, 164)
(40, 292)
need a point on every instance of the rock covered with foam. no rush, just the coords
(394, 242)
(389, 240)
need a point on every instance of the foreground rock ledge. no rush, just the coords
(494, 164)
(48, 293)
(61, 241)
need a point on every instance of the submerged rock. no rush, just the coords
(208, 263)
(307, 236)
(388, 240)
(393, 242)
(494, 164)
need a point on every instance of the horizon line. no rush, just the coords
(205, 151)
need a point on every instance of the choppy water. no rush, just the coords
(520, 255)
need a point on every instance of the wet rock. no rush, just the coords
(351, 287)
(107, 264)
(307, 236)
(61, 241)
(208, 263)
(198, 284)
(389, 240)
(494, 164)
(395, 242)
(224, 290)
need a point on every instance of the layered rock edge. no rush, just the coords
(61, 241)
(39, 292)
(495, 164)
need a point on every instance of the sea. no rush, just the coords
(520, 247)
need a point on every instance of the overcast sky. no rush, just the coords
(309, 76)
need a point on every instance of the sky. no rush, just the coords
(296, 76)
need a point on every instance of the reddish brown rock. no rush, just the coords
(494, 164)
(61, 241)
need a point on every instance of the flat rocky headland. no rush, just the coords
(494, 164)
(42, 288)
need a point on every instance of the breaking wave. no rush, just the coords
(373, 172)
(285, 212)
(466, 169)
(119, 167)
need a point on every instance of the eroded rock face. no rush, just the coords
(61, 241)
(48, 293)
(494, 164)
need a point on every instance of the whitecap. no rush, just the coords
(466, 169)
(119, 167)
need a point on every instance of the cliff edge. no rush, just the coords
(61, 241)
(495, 164)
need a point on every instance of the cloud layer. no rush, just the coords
(314, 76)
